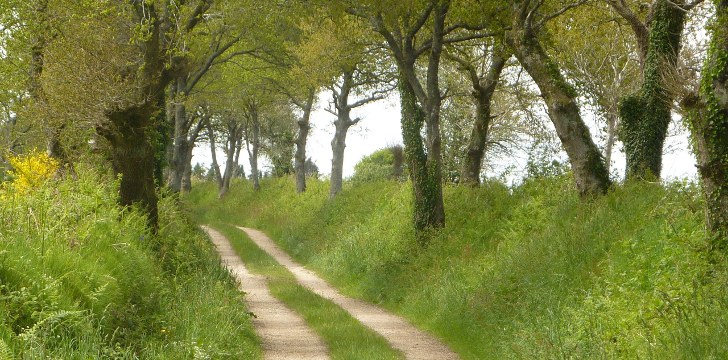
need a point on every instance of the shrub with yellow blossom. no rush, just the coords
(30, 171)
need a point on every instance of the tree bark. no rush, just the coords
(232, 148)
(421, 107)
(645, 116)
(215, 167)
(253, 145)
(612, 121)
(342, 124)
(708, 120)
(193, 136)
(133, 158)
(181, 145)
(304, 126)
(424, 184)
(586, 161)
(128, 129)
(483, 90)
(338, 145)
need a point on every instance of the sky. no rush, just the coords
(380, 127)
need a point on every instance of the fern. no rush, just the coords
(54, 318)
(5, 353)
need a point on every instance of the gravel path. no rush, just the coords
(284, 333)
(413, 343)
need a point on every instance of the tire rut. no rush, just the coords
(284, 334)
(412, 342)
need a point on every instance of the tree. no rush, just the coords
(341, 53)
(599, 58)
(587, 165)
(645, 115)
(125, 60)
(404, 31)
(708, 119)
(226, 36)
(483, 88)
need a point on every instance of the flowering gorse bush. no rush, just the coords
(30, 171)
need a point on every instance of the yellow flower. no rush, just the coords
(31, 170)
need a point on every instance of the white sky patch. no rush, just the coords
(380, 127)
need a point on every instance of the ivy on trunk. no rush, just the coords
(708, 118)
(645, 116)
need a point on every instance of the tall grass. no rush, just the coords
(525, 272)
(81, 279)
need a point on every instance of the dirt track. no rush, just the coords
(402, 335)
(284, 334)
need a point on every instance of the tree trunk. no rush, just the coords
(304, 126)
(215, 167)
(646, 115)
(194, 135)
(181, 145)
(133, 158)
(612, 120)
(231, 147)
(54, 146)
(253, 147)
(587, 165)
(482, 94)
(187, 176)
(169, 112)
(342, 124)
(424, 184)
(709, 125)
(338, 145)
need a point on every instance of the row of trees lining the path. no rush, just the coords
(144, 82)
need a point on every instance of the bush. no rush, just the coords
(384, 164)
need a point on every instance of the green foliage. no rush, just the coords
(378, 166)
(82, 278)
(526, 272)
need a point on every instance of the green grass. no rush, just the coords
(82, 279)
(525, 272)
(345, 337)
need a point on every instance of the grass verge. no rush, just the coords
(525, 272)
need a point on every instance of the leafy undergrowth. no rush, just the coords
(81, 279)
(528, 272)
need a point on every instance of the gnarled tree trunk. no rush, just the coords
(590, 173)
(304, 126)
(133, 158)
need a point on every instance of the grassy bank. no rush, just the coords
(80, 279)
(528, 272)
